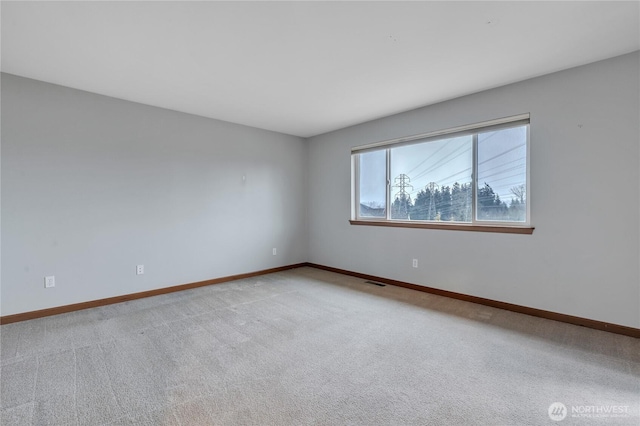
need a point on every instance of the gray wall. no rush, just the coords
(583, 257)
(93, 186)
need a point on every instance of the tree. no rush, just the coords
(461, 202)
(519, 192)
(401, 207)
(443, 203)
(490, 207)
(447, 203)
(518, 206)
(419, 211)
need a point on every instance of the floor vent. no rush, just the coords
(375, 283)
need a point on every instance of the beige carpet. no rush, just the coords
(309, 347)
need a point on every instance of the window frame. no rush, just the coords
(475, 225)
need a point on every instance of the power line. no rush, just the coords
(444, 160)
(428, 158)
(504, 164)
(501, 154)
(483, 177)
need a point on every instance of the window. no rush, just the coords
(472, 177)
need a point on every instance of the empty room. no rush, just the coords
(320, 213)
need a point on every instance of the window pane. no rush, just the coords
(502, 175)
(432, 180)
(372, 183)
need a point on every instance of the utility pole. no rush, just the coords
(431, 187)
(402, 183)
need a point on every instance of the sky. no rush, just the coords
(501, 164)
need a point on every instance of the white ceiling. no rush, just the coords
(305, 68)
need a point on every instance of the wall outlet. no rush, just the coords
(139, 269)
(49, 281)
(275, 251)
(415, 263)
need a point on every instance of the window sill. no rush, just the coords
(449, 227)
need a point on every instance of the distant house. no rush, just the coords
(371, 211)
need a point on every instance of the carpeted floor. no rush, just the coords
(312, 347)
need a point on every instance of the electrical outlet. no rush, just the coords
(275, 251)
(140, 270)
(415, 263)
(49, 281)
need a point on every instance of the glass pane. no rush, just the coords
(373, 183)
(502, 175)
(432, 180)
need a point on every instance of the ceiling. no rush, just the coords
(306, 68)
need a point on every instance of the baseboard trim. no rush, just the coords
(8, 319)
(585, 322)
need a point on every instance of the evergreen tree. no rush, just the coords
(454, 203)
(443, 204)
(490, 207)
(401, 207)
(461, 202)
(420, 206)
